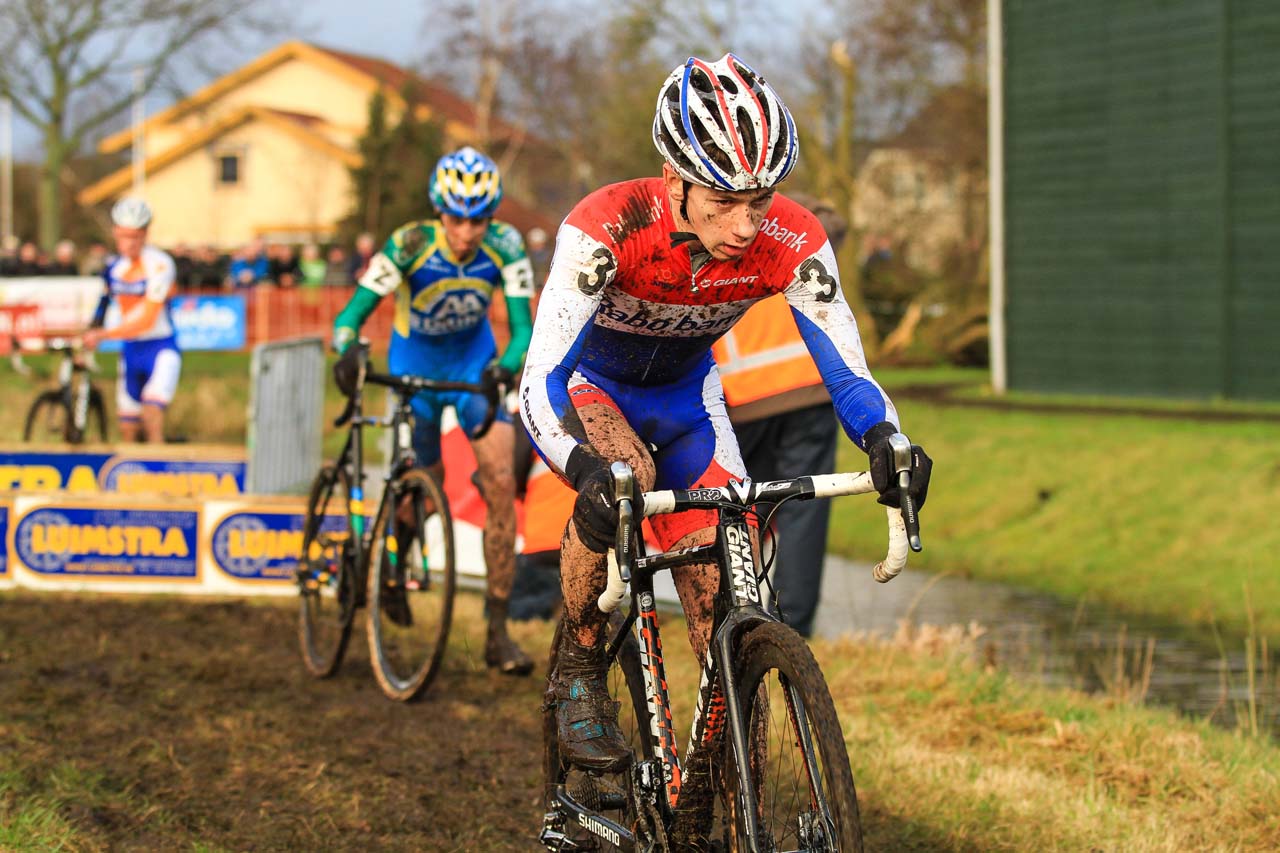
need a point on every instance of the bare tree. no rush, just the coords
(67, 64)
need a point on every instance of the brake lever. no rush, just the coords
(623, 491)
(900, 445)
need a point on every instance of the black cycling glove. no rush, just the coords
(346, 370)
(496, 374)
(883, 472)
(594, 515)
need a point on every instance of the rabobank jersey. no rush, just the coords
(442, 303)
(149, 278)
(623, 303)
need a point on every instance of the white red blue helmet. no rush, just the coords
(466, 183)
(719, 124)
(131, 212)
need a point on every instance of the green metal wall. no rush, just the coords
(1142, 196)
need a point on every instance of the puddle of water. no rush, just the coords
(1039, 637)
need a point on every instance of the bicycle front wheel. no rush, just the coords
(49, 420)
(803, 786)
(412, 582)
(327, 573)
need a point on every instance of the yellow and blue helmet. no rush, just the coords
(466, 183)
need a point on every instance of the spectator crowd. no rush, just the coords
(204, 267)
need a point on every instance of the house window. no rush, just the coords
(229, 169)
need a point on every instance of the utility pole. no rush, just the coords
(6, 173)
(139, 150)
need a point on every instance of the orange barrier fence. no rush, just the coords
(274, 314)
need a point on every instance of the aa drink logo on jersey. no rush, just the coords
(261, 546)
(174, 477)
(108, 543)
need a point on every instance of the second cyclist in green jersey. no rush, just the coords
(443, 273)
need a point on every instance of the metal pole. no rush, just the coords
(6, 173)
(995, 194)
(139, 152)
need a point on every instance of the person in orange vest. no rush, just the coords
(548, 503)
(786, 427)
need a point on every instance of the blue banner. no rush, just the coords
(26, 472)
(4, 540)
(174, 477)
(258, 545)
(209, 322)
(62, 541)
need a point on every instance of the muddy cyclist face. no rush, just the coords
(462, 234)
(727, 223)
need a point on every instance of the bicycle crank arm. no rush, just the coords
(574, 814)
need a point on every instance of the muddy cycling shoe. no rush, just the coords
(500, 651)
(586, 718)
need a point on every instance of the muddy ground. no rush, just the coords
(154, 723)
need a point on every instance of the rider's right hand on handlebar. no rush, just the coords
(883, 470)
(595, 516)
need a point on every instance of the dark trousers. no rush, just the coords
(795, 444)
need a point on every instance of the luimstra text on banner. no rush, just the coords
(169, 470)
(109, 542)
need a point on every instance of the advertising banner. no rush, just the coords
(174, 471)
(209, 322)
(57, 541)
(6, 578)
(253, 545)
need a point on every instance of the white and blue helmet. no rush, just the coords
(719, 124)
(466, 183)
(131, 212)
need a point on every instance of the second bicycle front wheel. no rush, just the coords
(412, 582)
(48, 419)
(327, 580)
(803, 786)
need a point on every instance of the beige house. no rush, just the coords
(924, 191)
(264, 151)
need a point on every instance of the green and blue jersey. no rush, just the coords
(441, 328)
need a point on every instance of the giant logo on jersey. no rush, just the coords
(450, 305)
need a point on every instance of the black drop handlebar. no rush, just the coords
(407, 386)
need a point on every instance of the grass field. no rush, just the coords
(1169, 515)
(152, 723)
(1165, 515)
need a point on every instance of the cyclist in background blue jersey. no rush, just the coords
(443, 272)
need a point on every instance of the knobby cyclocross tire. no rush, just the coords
(97, 413)
(785, 702)
(327, 573)
(598, 792)
(412, 581)
(48, 417)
